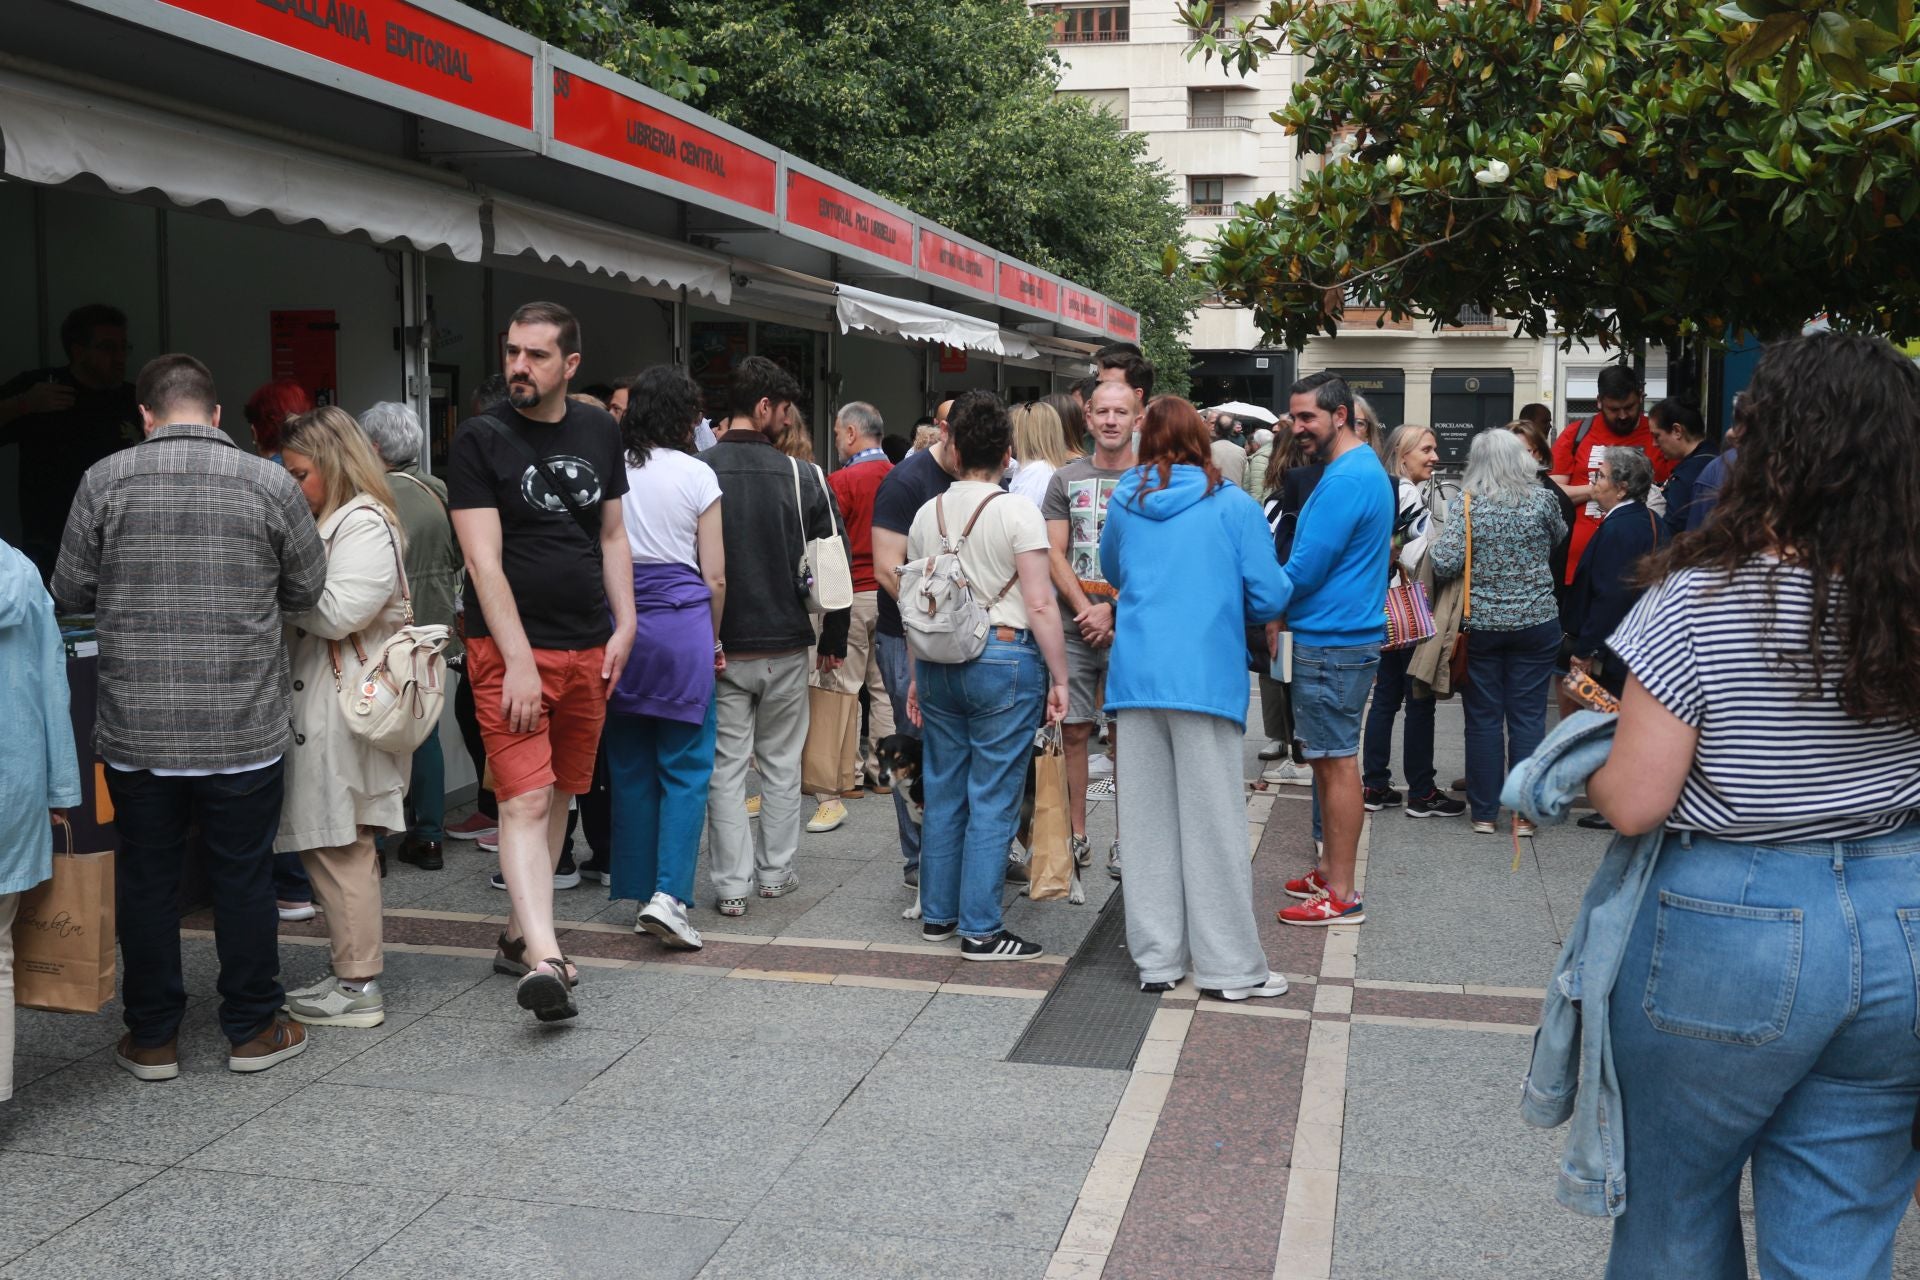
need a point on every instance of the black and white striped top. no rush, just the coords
(1778, 761)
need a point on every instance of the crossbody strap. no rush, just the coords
(406, 597)
(588, 524)
(424, 487)
(1466, 610)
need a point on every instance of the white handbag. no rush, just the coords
(823, 565)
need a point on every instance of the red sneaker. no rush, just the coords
(1324, 909)
(1310, 885)
(472, 827)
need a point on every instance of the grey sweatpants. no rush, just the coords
(761, 712)
(1189, 882)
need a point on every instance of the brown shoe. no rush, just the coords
(855, 793)
(279, 1040)
(161, 1062)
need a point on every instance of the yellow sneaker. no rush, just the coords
(828, 816)
(753, 806)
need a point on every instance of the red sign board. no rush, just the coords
(1081, 308)
(303, 346)
(1122, 324)
(588, 115)
(951, 260)
(395, 42)
(953, 359)
(831, 212)
(1028, 289)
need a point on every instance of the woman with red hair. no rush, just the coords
(1193, 561)
(268, 409)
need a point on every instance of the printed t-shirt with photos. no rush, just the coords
(551, 565)
(1078, 494)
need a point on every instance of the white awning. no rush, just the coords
(602, 247)
(54, 134)
(924, 322)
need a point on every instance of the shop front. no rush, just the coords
(1465, 403)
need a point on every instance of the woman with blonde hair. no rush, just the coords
(341, 791)
(1040, 447)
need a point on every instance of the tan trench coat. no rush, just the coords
(336, 782)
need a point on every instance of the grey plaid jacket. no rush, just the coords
(187, 551)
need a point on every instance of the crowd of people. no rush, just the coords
(635, 585)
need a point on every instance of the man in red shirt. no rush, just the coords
(1583, 446)
(857, 430)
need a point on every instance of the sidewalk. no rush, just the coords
(819, 1094)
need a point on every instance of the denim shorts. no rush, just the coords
(1330, 688)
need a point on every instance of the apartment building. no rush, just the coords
(1214, 133)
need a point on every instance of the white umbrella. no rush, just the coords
(1241, 409)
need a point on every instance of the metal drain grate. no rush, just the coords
(1096, 1015)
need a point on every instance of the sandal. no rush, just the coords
(547, 993)
(731, 906)
(512, 960)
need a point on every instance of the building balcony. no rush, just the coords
(1219, 122)
(1090, 37)
(1228, 153)
(1206, 211)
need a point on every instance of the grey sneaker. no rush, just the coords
(1082, 852)
(329, 1004)
(1113, 860)
(666, 919)
(781, 888)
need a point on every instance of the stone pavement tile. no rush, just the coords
(728, 1083)
(1235, 1097)
(413, 982)
(899, 1188)
(1432, 1004)
(846, 1018)
(872, 964)
(30, 1067)
(1134, 1267)
(482, 1239)
(387, 1137)
(1030, 977)
(472, 892)
(966, 1027)
(1214, 1215)
(69, 1036)
(844, 915)
(879, 878)
(1430, 1103)
(1059, 925)
(217, 1226)
(1394, 1228)
(958, 1105)
(1444, 906)
(526, 1061)
(94, 1109)
(765, 917)
(608, 999)
(639, 946)
(46, 1194)
(408, 886)
(763, 1252)
(204, 1048)
(604, 1159)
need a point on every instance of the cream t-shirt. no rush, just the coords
(1008, 527)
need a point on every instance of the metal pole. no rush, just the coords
(416, 342)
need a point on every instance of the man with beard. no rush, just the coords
(1338, 564)
(1581, 450)
(535, 486)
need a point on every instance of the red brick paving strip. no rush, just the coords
(1440, 1004)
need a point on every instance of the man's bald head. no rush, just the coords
(940, 414)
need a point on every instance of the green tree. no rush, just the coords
(1623, 170)
(606, 32)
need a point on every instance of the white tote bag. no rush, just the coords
(823, 566)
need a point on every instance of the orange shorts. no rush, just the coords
(559, 750)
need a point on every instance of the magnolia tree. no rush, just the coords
(1618, 170)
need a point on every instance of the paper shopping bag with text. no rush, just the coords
(63, 936)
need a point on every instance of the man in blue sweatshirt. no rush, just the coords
(1338, 618)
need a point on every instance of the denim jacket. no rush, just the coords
(1571, 1076)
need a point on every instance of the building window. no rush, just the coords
(1207, 197)
(1207, 109)
(1471, 315)
(1089, 24)
(1112, 101)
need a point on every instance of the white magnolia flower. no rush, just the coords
(1494, 174)
(1396, 165)
(1574, 81)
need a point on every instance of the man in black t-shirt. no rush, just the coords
(535, 486)
(920, 478)
(65, 420)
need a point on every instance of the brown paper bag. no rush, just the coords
(823, 762)
(1050, 871)
(63, 936)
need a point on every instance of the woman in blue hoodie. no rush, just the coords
(1193, 561)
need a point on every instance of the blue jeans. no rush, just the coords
(978, 719)
(896, 672)
(1765, 1011)
(1390, 688)
(427, 791)
(1330, 686)
(1506, 706)
(237, 814)
(290, 883)
(658, 772)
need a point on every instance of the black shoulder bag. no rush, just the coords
(589, 522)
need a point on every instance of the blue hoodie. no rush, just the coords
(39, 764)
(1341, 553)
(1194, 570)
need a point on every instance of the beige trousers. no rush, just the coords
(862, 667)
(346, 884)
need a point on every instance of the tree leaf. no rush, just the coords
(1767, 39)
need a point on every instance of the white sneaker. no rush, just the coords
(1099, 765)
(1273, 750)
(1275, 985)
(1289, 773)
(329, 1004)
(827, 817)
(666, 919)
(297, 911)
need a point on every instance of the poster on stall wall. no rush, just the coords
(953, 359)
(304, 345)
